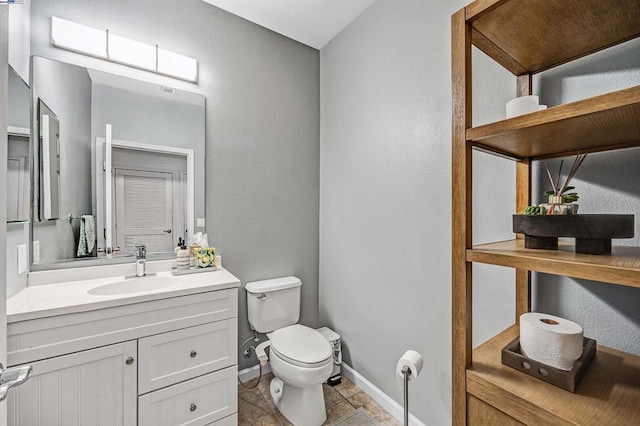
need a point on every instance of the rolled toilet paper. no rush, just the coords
(414, 361)
(551, 340)
(522, 105)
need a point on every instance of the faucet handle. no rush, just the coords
(141, 251)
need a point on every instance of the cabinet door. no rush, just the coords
(94, 387)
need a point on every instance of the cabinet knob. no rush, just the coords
(193, 407)
(193, 354)
(129, 361)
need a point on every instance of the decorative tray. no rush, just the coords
(593, 232)
(567, 380)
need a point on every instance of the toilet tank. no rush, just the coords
(273, 304)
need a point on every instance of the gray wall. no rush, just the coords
(19, 24)
(66, 90)
(385, 197)
(606, 183)
(17, 233)
(19, 97)
(385, 205)
(262, 128)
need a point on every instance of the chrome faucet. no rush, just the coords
(141, 256)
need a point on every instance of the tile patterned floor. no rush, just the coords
(255, 407)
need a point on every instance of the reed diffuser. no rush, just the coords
(560, 200)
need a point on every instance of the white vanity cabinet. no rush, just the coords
(164, 362)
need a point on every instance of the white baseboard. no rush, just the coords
(385, 401)
(252, 372)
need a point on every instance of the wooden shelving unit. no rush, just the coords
(527, 37)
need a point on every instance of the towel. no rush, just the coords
(82, 241)
(87, 239)
(90, 232)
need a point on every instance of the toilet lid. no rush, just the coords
(300, 345)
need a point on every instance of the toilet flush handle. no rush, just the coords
(262, 296)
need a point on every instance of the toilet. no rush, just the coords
(301, 358)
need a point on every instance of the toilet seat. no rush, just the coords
(301, 346)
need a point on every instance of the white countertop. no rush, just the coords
(48, 300)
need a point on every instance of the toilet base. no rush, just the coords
(301, 406)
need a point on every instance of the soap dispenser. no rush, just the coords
(182, 254)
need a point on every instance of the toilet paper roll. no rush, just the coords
(414, 361)
(551, 340)
(522, 105)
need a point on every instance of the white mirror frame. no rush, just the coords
(104, 190)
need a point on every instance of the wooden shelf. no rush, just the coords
(606, 122)
(609, 393)
(621, 267)
(535, 35)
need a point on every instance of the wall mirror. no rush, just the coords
(119, 162)
(18, 178)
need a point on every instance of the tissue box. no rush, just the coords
(206, 257)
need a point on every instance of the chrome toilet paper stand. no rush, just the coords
(406, 372)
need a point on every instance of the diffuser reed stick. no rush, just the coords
(559, 189)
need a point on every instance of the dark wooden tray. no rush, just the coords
(593, 232)
(567, 380)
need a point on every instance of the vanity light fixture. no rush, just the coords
(78, 38)
(105, 45)
(131, 52)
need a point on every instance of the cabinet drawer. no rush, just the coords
(169, 358)
(232, 420)
(197, 402)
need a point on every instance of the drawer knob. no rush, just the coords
(193, 354)
(129, 361)
(193, 407)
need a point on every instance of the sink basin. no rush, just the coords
(134, 285)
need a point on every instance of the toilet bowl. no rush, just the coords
(301, 358)
(301, 361)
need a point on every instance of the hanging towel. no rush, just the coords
(90, 232)
(87, 239)
(82, 240)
